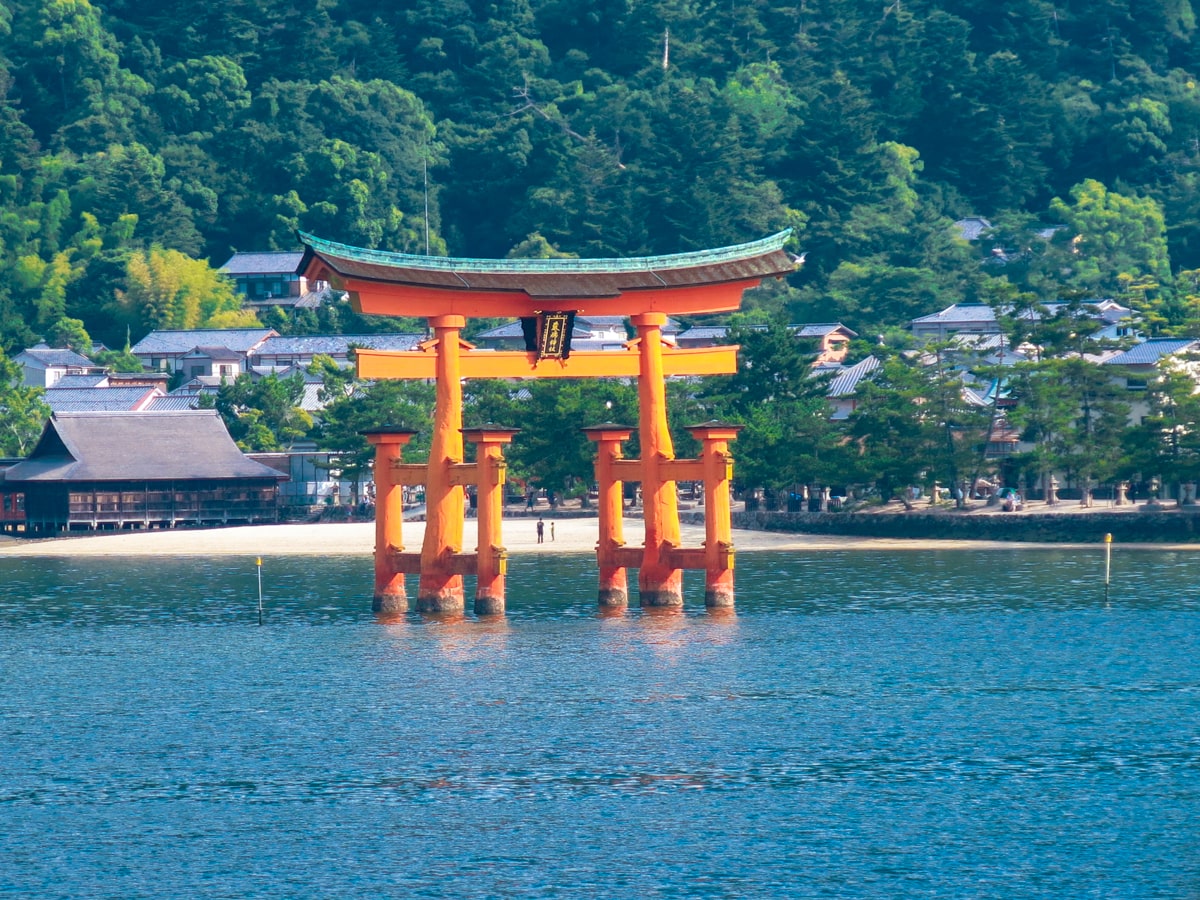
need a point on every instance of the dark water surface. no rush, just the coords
(935, 724)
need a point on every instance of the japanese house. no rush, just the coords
(112, 470)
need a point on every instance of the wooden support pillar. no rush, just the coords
(714, 438)
(658, 583)
(491, 557)
(614, 587)
(390, 597)
(440, 590)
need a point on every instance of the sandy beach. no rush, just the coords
(574, 535)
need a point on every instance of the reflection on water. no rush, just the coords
(866, 724)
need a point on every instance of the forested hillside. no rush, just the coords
(137, 137)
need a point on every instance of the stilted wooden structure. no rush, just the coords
(545, 295)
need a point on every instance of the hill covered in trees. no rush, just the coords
(141, 143)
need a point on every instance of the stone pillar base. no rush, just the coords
(489, 606)
(660, 598)
(719, 596)
(390, 604)
(614, 597)
(445, 602)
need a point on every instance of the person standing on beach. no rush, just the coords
(551, 531)
(541, 527)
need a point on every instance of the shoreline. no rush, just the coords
(576, 535)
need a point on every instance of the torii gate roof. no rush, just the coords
(549, 279)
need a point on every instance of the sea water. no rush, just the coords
(915, 724)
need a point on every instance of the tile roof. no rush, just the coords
(173, 403)
(214, 352)
(961, 312)
(240, 339)
(335, 344)
(78, 381)
(142, 446)
(1148, 353)
(55, 356)
(99, 399)
(820, 329)
(266, 263)
(846, 382)
(704, 333)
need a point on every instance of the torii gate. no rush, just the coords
(545, 295)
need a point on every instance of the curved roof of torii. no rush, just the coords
(554, 278)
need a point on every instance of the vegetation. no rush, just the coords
(135, 152)
(141, 144)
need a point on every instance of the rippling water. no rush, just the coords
(870, 724)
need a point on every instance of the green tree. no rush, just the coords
(166, 289)
(264, 415)
(23, 411)
(404, 404)
(1112, 239)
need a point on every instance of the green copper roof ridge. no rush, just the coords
(557, 266)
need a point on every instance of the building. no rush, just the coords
(111, 470)
(271, 279)
(172, 351)
(830, 341)
(42, 366)
(280, 352)
(842, 390)
(1134, 368)
(100, 398)
(961, 318)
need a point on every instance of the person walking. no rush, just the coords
(541, 527)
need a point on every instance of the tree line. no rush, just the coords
(137, 140)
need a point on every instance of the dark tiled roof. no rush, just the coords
(52, 356)
(334, 344)
(820, 330)
(136, 446)
(704, 333)
(961, 312)
(240, 339)
(77, 381)
(267, 263)
(511, 331)
(846, 382)
(173, 403)
(214, 353)
(1150, 352)
(559, 278)
(98, 399)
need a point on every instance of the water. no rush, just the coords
(869, 725)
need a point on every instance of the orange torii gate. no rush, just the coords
(546, 295)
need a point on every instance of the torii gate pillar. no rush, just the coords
(717, 464)
(659, 583)
(440, 589)
(491, 557)
(614, 587)
(390, 597)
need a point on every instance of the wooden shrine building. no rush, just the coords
(112, 470)
(546, 295)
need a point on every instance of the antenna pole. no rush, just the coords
(425, 171)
